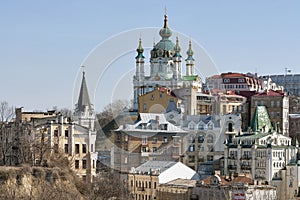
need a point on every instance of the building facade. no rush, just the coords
(145, 179)
(152, 137)
(277, 105)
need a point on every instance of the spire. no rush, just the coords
(83, 99)
(140, 49)
(190, 52)
(177, 48)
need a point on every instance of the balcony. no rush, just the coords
(232, 157)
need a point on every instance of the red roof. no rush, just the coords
(215, 76)
(230, 74)
(270, 93)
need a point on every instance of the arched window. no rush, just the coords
(210, 139)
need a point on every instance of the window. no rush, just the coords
(77, 148)
(94, 164)
(261, 102)
(66, 148)
(165, 140)
(192, 148)
(230, 127)
(92, 147)
(83, 148)
(144, 139)
(154, 185)
(278, 103)
(226, 80)
(160, 96)
(66, 133)
(154, 149)
(83, 164)
(272, 104)
(278, 114)
(145, 106)
(154, 140)
(55, 133)
(152, 97)
(76, 164)
(144, 149)
(200, 138)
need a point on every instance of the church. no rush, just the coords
(165, 66)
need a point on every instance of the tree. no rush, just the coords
(108, 185)
(111, 111)
(6, 112)
(66, 112)
(7, 136)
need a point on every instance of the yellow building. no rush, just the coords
(157, 101)
(145, 180)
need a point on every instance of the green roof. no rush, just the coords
(260, 119)
(190, 78)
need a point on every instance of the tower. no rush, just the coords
(140, 60)
(84, 110)
(190, 61)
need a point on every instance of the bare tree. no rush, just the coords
(66, 112)
(108, 186)
(6, 112)
(111, 111)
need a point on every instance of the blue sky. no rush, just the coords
(43, 43)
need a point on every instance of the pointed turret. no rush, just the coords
(190, 61)
(177, 48)
(83, 100)
(84, 111)
(140, 60)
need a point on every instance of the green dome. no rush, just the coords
(165, 45)
(165, 32)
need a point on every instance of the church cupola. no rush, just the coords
(140, 60)
(165, 32)
(140, 50)
(190, 61)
